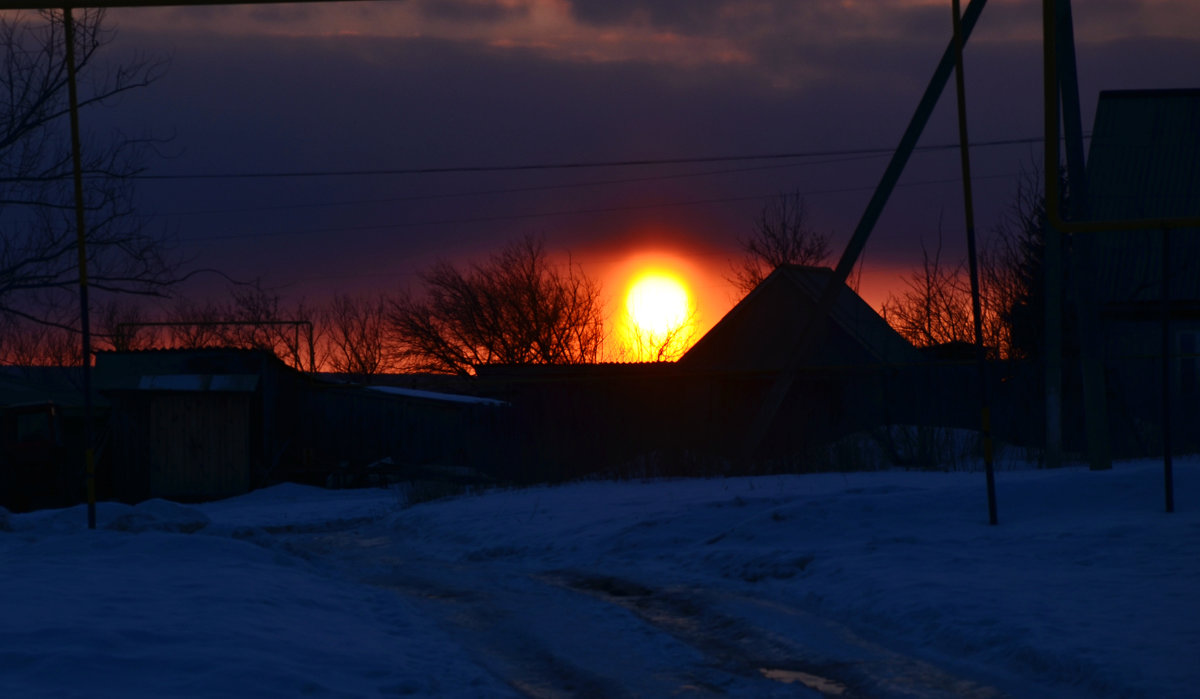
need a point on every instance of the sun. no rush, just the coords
(660, 314)
(657, 302)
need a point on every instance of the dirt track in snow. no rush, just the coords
(591, 633)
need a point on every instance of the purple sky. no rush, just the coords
(436, 83)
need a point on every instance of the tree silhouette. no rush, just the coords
(355, 332)
(935, 305)
(780, 235)
(662, 345)
(514, 308)
(38, 255)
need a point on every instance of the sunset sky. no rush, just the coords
(417, 84)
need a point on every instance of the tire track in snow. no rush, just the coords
(814, 652)
(540, 640)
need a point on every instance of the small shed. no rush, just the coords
(42, 437)
(194, 424)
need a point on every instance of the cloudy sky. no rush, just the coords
(342, 91)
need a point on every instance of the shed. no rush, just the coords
(195, 424)
(42, 437)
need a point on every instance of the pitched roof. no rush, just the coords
(763, 330)
(1144, 162)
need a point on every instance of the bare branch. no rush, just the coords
(781, 235)
(513, 308)
(38, 258)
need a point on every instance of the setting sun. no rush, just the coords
(660, 321)
(657, 303)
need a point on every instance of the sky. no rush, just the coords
(403, 85)
(879, 584)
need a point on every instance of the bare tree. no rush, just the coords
(514, 308)
(193, 325)
(355, 331)
(261, 320)
(781, 235)
(120, 325)
(664, 345)
(253, 318)
(38, 255)
(26, 343)
(935, 306)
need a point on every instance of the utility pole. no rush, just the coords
(85, 325)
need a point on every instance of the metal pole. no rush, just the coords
(85, 325)
(1052, 262)
(1068, 76)
(1168, 466)
(779, 390)
(312, 355)
(1061, 91)
(985, 413)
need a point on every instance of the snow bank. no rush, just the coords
(1085, 589)
(1086, 585)
(141, 608)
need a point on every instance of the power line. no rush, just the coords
(504, 190)
(548, 214)
(567, 165)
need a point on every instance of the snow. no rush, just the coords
(864, 584)
(435, 395)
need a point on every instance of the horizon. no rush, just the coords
(344, 91)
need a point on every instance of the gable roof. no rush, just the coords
(1144, 162)
(763, 331)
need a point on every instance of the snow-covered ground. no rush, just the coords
(870, 584)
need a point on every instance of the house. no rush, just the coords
(845, 384)
(763, 331)
(1144, 163)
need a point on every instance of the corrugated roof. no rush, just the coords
(1144, 162)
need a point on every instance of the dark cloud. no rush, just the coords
(276, 104)
(471, 10)
(687, 16)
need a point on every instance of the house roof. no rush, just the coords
(24, 385)
(1144, 162)
(216, 369)
(763, 331)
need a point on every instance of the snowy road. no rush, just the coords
(856, 585)
(600, 632)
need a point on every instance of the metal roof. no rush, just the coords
(1144, 162)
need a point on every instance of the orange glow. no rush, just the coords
(656, 313)
(698, 267)
(658, 302)
(659, 319)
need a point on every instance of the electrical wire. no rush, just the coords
(548, 214)
(566, 165)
